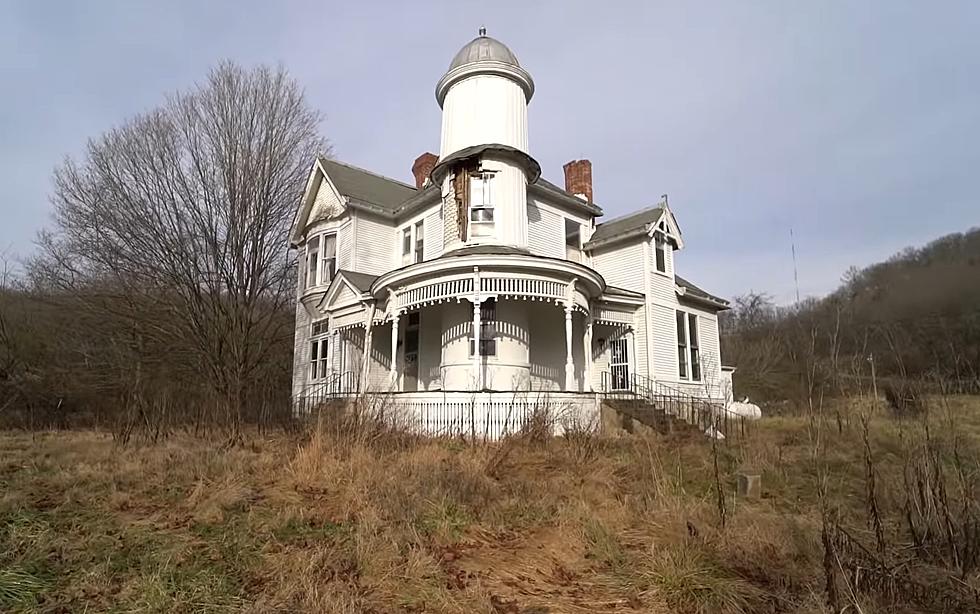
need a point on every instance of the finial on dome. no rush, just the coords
(483, 30)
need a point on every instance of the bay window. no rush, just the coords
(312, 260)
(328, 266)
(321, 259)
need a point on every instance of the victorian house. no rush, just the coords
(484, 280)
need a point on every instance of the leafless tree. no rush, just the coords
(176, 223)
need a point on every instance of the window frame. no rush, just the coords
(486, 204)
(694, 343)
(312, 261)
(689, 367)
(319, 350)
(321, 268)
(328, 263)
(412, 237)
(660, 251)
(418, 245)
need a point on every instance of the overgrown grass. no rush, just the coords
(332, 521)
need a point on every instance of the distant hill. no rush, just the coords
(917, 313)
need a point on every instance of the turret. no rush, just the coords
(484, 166)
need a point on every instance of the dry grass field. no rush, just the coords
(374, 522)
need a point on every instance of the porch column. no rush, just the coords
(334, 346)
(393, 374)
(366, 357)
(588, 352)
(569, 365)
(477, 379)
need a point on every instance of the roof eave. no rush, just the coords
(629, 234)
(566, 199)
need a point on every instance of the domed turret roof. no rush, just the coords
(484, 56)
(484, 48)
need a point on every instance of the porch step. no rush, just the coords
(650, 415)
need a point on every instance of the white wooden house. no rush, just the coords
(484, 282)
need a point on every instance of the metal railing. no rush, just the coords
(334, 386)
(707, 414)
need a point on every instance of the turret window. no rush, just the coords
(481, 204)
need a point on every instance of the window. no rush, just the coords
(573, 239)
(329, 267)
(312, 260)
(660, 246)
(321, 259)
(318, 349)
(481, 204)
(688, 347)
(413, 243)
(318, 359)
(682, 348)
(406, 243)
(692, 335)
(488, 328)
(419, 241)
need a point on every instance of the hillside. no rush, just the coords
(917, 314)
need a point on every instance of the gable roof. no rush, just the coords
(695, 292)
(367, 187)
(624, 226)
(361, 281)
(545, 188)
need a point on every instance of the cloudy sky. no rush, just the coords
(856, 124)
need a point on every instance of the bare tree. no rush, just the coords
(176, 222)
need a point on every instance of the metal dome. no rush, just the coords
(483, 48)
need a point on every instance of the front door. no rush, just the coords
(619, 363)
(410, 377)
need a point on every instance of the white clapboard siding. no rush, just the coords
(433, 233)
(375, 245)
(621, 265)
(545, 232)
(326, 203)
(301, 349)
(664, 342)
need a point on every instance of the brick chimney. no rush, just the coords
(578, 178)
(423, 168)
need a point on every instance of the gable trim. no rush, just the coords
(317, 176)
(339, 282)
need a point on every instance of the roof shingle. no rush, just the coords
(368, 187)
(626, 224)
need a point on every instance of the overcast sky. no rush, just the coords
(855, 123)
